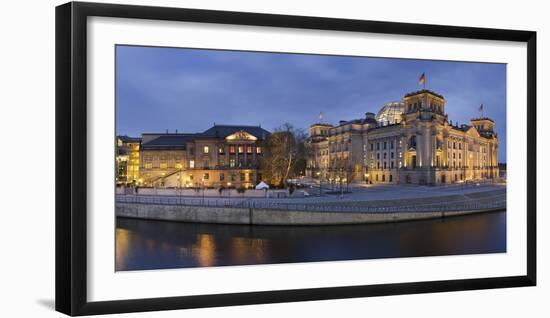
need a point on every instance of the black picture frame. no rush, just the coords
(71, 157)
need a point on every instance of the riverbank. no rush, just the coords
(259, 216)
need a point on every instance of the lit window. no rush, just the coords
(241, 149)
(205, 149)
(163, 165)
(232, 163)
(258, 149)
(148, 165)
(221, 150)
(192, 164)
(232, 149)
(179, 166)
(249, 149)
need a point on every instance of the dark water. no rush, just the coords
(143, 244)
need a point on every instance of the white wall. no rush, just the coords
(27, 129)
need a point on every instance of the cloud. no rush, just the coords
(190, 89)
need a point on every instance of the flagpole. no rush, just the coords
(424, 83)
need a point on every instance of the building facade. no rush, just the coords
(127, 160)
(222, 155)
(411, 141)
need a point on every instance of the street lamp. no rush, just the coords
(318, 173)
(229, 189)
(202, 186)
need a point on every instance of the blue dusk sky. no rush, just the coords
(191, 89)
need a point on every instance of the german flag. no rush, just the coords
(422, 79)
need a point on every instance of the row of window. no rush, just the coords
(240, 149)
(390, 179)
(385, 155)
(418, 105)
(322, 153)
(335, 147)
(453, 145)
(384, 165)
(205, 164)
(232, 177)
(383, 144)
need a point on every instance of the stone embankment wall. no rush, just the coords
(234, 215)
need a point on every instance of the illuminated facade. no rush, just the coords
(220, 156)
(411, 141)
(127, 160)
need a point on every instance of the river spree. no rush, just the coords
(145, 244)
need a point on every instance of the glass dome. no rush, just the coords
(390, 114)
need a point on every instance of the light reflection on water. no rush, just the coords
(144, 244)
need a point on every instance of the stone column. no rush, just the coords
(245, 148)
(419, 147)
(427, 160)
(237, 155)
(254, 155)
(406, 159)
(226, 155)
(428, 150)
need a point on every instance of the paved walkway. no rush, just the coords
(373, 197)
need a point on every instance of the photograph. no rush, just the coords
(229, 157)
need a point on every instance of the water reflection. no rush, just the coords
(143, 244)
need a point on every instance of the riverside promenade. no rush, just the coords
(372, 204)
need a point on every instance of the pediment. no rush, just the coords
(241, 135)
(472, 132)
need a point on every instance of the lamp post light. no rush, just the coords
(202, 186)
(318, 173)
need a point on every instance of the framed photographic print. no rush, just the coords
(212, 158)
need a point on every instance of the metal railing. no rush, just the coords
(312, 207)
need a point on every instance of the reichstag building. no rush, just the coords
(410, 141)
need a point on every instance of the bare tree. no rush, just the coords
(285, 155)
